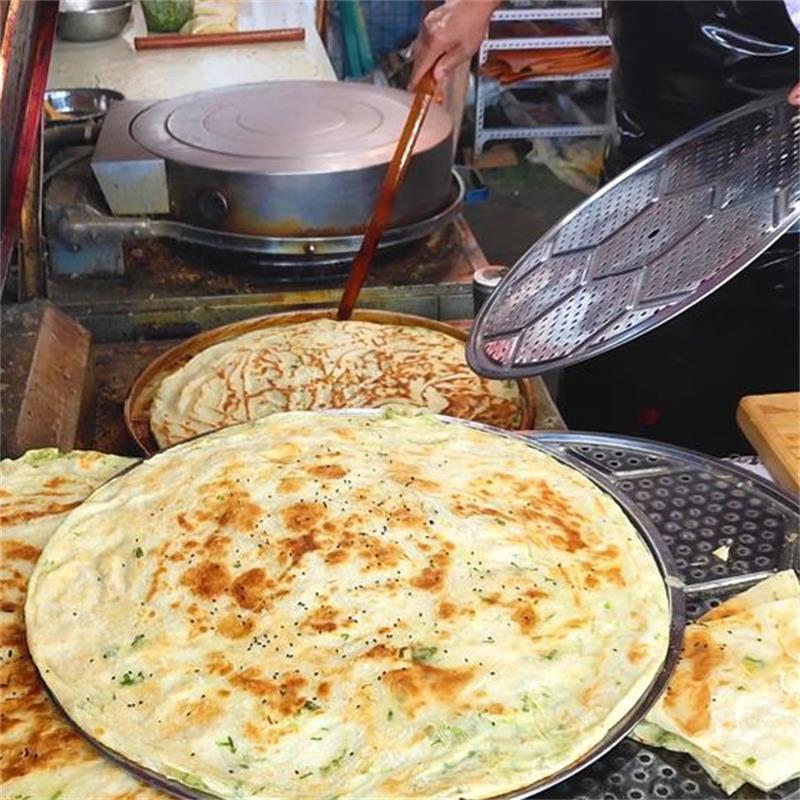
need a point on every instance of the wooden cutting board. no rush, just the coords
(771, 423)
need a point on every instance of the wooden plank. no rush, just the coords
(57, 407)
(771, 423)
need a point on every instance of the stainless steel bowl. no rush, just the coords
(82, 104)
(78, 105)
(92, 20)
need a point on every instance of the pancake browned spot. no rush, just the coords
(447, 610)
(324, 690)
(293, 550)
(432, 577)
(183, 521)
(303, 516)
(405, 517)
(409, 476)
(195, 712)
(332, 471)
(321, 620)
(249, 589)
(420, 683)
(524, 616)
(614, 575)
(464, 508)
(290, 485)
(535, 594)
(229, 506)
(377, 554)
(380, 651)
(19, 551)
(10, 518)
(13, 636)
(208, 579)
(218, 664)
(637, 652)
(570, 539)
(283, 696)
(233, 627)
(688, 696)
(49, 740)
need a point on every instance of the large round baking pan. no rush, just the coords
(293, 158)
(675, 594)
(140, 397)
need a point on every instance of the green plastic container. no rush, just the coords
(167, 16)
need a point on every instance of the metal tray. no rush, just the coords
(650, 537)
(140, 398)
(697, 503)
(653, 242)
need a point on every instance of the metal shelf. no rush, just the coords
(516, 14)
(544, 42)
(542, 132)
(483, 135)
(594, 75)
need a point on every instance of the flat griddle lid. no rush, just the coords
(647, 246)
(284, 127)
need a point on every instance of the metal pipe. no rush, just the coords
(71, 135)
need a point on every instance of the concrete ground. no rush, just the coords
(524, 202)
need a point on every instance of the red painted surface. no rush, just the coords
(28, 81)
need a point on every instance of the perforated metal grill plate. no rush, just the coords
(651, 243)
(698, 504)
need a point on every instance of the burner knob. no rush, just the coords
(213, 205)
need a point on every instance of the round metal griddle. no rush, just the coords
(650, 244)
(649, 535)
(138, 403)
(293, 158)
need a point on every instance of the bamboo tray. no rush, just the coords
(140, 397)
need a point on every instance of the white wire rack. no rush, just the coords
(584, 128)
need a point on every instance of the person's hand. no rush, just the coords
(794, 95)
(450, 35)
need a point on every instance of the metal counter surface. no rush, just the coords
(159, 74)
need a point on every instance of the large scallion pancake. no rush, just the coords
(325, 364)
(320, 605)
(41, 753)
(734, 699)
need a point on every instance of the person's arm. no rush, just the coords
(794, 95)
(450, 35)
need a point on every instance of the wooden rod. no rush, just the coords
(215, 39)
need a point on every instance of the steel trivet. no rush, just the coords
(699, 504)
(650, 244)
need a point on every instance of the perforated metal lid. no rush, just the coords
(650, 244)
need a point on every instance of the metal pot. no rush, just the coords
(288, 159)
(92, 20)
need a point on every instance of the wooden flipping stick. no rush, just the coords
(392, 181)
(213, 39)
